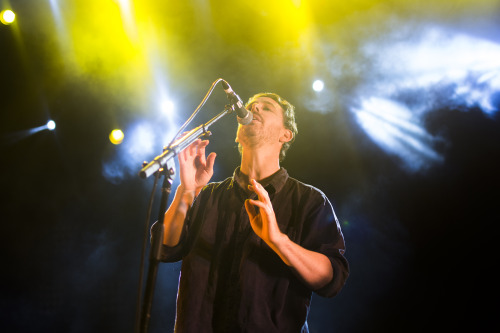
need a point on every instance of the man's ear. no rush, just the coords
(286, 136)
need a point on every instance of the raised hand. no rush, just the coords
(264, 222)
(195, 169)
(312, 267)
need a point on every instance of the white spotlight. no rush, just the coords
(51, 125)
(318, 85)
(167, 107)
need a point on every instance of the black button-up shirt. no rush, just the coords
(231, 280)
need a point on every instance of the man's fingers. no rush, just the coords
(201, 155)
(203, 143)
(259, 190)
(250, 209)
(211, 160)
(183, 155)
(200, 147)
(257, 203)
(194, 149)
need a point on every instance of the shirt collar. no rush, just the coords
(272, 184)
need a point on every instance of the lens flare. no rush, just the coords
(7, 16)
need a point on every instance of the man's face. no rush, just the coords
(266, 126)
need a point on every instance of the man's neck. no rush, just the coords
(259, 164)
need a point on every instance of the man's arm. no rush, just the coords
(312, 267)
(173, 222)
(195, 172)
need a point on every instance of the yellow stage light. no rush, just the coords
(116, 137)
(7, 16)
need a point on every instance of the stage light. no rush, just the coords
(116, 136)
(7, 16)
(318, 85)
(167, 107)
(51, 125)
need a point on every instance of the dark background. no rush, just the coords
(419, 233)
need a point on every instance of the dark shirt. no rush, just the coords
(231, 280)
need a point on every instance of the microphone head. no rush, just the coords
(225, 85)
(247, 119)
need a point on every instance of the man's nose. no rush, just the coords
(255, 108)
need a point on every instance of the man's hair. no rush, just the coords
(288, 119)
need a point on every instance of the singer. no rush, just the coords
(254, 246)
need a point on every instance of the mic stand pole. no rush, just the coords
(164, 164)
(156, 242)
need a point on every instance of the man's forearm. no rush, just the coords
(312, 267)
(176, 214)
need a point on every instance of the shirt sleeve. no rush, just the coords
(322, 233)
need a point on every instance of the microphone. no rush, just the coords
(244, 116)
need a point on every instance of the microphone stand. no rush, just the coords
(164, 164)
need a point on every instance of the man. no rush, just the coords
(255, 245)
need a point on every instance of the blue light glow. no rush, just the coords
(437, 69)
(397, 131)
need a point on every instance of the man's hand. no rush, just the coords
(264, 222)
(195, 172)
(195, 169)
(312, 267)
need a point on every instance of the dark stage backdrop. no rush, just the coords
(404, 139)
